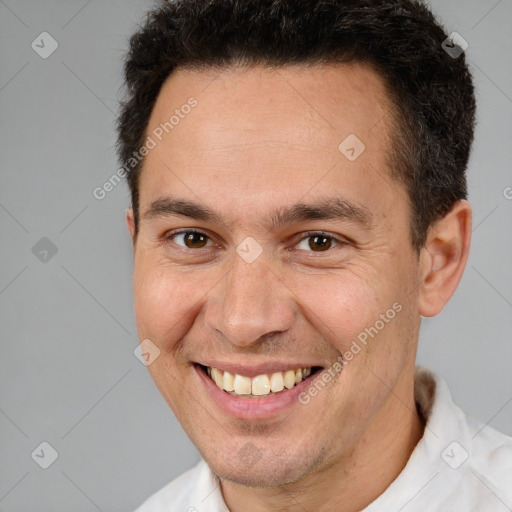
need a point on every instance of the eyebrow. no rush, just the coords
(336, 208)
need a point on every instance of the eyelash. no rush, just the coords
(338, 242)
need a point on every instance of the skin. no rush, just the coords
(259, 140)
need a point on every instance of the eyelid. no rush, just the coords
(170, 235)
(339, 240)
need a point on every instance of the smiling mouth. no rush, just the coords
(261, 385)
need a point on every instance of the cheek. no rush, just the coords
(166, 301)
(340, 307)
(364, 319)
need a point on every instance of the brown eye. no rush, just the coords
(191, 239)
(320, 242)
(195, 240)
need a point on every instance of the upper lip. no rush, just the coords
(253, 370)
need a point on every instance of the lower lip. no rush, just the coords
(253, 408)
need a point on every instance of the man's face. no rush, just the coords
(291, 250)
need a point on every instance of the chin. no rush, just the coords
(266, 471)
(261, 477)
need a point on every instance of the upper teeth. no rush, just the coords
(259, 385)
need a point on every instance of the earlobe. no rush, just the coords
(130, 223)
(443, 259)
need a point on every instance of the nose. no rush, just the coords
(249, 303)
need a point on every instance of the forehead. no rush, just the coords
(268, 133)
(336, 98)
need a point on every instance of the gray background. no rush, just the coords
(68, 373)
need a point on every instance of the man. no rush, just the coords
(297, 171)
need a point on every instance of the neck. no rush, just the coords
(353, 480)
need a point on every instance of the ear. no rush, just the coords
(443, 258)
(130, 223)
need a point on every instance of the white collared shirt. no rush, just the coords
(459, 465)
